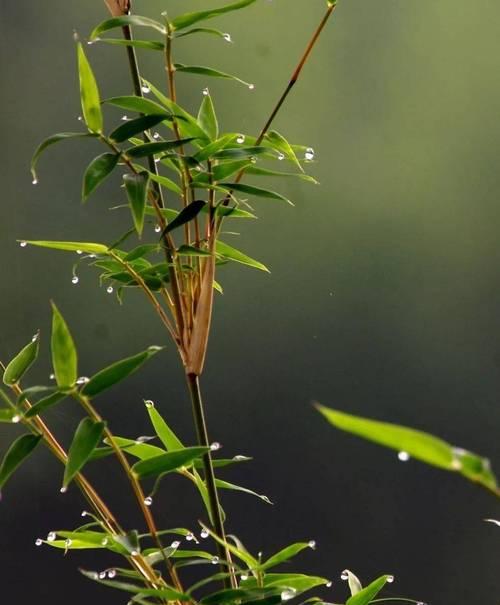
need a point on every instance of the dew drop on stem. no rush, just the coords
(74, 280)
(204, 534)
(145, 89)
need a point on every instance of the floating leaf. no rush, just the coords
(18, 451)
(417, 444)
(227, 251)
(132, 127)
(189, 19)
(126, 20)
(88, 247)
(55, 138)
(21, 362)
(166, 463)
(87, 437)
(187, 214)
(64, 356)
(89, 93)
(207, 117)
(164, 432)
(201, 70)
(136, 186)
(98, 169)
(116, 372)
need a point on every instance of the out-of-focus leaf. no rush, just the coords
(257, 191)
(238, 488)
(132, 127)
(18, 451)
(55, 138)
(166, 463)
(163, 593)
(7, 414)
(140, 252)
(187, 214)
(227, 251)
(87, 437)
(366, 595)
(147, 44)
(141, 151)
(189, 19)
(201, 70)
(164, 432)
(207, 117)
(417, 444)
(116, 372)
(130, 20)
(89, 93)
(88, 247)
(258, 171)
(64, 356)
(21, 362)
(98, 169)
(136, 186)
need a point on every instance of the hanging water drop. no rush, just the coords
(148, 501)
(390, 579)
(149, 403)
(329, 584)
(38, 542)
(312, 544)
(251, 86)
(74, 280)
(204, 534)
(34, 181)
(23, 244)
(189, 537)
(215, 446)
(227, 37)
(344, 575)
(240, 139)
(288, 594)
(82, 380)
(109, 289)
(68, 542)
(206, 92)
(253, 159)
(309, 154)
(214, 560)
(63, 489)
(281, 156)
(244, 576)
(104, 542)
(157, 160)
(16, 418)
(112, 574)
(175, 544)
(51, 536)
(79, 118)
(102, 575)
(84, 513)
(157, 228)
(134, 553)
(124, 118)
(145, 89)
(403, 456)
(79, 252)
(52, 376)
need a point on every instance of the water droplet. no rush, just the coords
(227, 37)
(390, 579)
(68, 542)
(206, 92)
(251, 86)
(34, 338)
(157, 228)
(344, 575)
(52, 376)
(239, 457)
(82, 380)
(84, 513)
(74, 279)
(244, 576)
(79, 252)
(157, 160)
(240, 139)
(329, 584)
(175, 544)
(253, 159)
(156, 135)
(214, 560)
(102, 575)
(38, 542)
(281, 156)
(34, 181)
(92, 256)
(403, 456)
(309, 154)
(215, 446)
(134, 553)
(149, 403)
(23, 244)
(143, 439)
(124, 118)
(145, 89)
(148, 501)
(51, 536)
(312, 544)
(189, 537)
(104, 542)
(63, 489)
(79, 118)
(109, 289)
(204, 533)
(288, 594)
(16, 418)
(112, 574)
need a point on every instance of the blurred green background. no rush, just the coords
(383, 298)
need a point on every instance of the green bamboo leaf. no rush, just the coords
(280, 144)
(238, 153)
(207, 118)
(18, 451)
(147, 44)
(240, 553)
(98, 169)
(204, 30)
(8, 414)
(89, 93)
(189, 19)
(136, 186)
(87, 437)
(132, 127)
(238, 488)
(22, 362)
(31, 391)
(84, 540)
(137, 104)
(145, 149)
(44, 404)
(116, 372)
(241, 595)
(55, 138)
(355, 585)
(163, 593)
(140, 450)
(286, 554)
(166, 463)
(295, 582)
(416, 444)
(165, 182)
(366, 595)
(212, 148)
(164, 432)
(228, 252)
(64, 356)
(130, 20)
(88, 247)
(257, 191)
(186, 250)
(187, 214)
(258, 171)
(201, 70)
(140, 252)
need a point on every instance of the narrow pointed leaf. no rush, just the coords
(130, 20)
(285, 554)
(147, 44)
(163, 593)
(136, 186)
(88, 247)
(227, 251)
(44, 404)
(132, 127)
(238, 488)
(64, 356)
(164, 432)
(207, 117)
(241, 553)
(165, 182)
(295, 581)
(21, 362)
(189, 19)
(143, 451)
(98, 169)
(209, 72)
(187, 214)
(52, 140)
(355, 585)
(18, 451)
(89, 93)
(258, 171)
(166, 463)
(278, 142)
(238, 153)
(116, 372)
(256, 191)
(366, 595)
(137, 104)
(203, 30)
(146, 149)
(87, 437)
(7, 414)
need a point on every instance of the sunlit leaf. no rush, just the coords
(130, 20)
(64, 356)
(89, 93)
(87, 437)
(189, 19)
(285, 554)
(98, 169)
(18, 451)
(21, 363)
(227, 251)
(366, 595)
(137, 104)
(280, 144)
(88, 247)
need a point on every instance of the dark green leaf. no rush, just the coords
(98, 169)
(44, 404)
(227, 251)
(207, 117)
(18, 451)
(187, 214)
(164, 432)
(88, 247)
(21, 362)
(87, 437)
(56, 138)
(64, 357)
(186, 250)
(189, 19)
(257, 191)
(7, 414)
(131, 20)
(201, 70)
(236, 153)
(166, 463)
(116, 372)
(280, 144)
(366, 596)
(141, 251)
(136, 186)
(89, 93)
(141, 151)
(240, 595)
(138, 104)
(163, 593)
(165, 182)
(132, 127)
